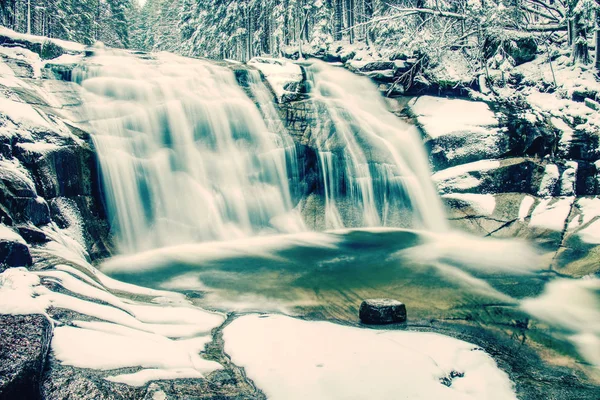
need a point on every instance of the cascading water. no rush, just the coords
(185, 154)
(369, 159)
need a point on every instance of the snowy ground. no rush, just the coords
(294, 359)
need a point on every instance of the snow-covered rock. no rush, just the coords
(283, 75)
(293, 359)
(459, 131)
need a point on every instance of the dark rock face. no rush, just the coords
(24, 344)
(382, 311)
(14, 254)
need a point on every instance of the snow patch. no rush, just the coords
(279, 73)
(440, 116)
(552, 213)
(293, 359)
(549, 180)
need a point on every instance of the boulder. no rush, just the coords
(14, 254)
(382, 311)
(24, 344)
(520, 46)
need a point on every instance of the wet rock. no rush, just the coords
(14, 254)
(33, 235)
(24, 344)
(382, 311)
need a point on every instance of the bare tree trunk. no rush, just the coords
(338, 19)
(350, 17)
(580, 45)
(597, 51)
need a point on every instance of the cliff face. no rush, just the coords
(49, 180)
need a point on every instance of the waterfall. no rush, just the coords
(185, 154)
(368, 157)
(189, 154)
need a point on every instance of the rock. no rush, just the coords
(24, 344)
(14, 254)
(382, 311)
(46, 49)
(33, 235)
(594, 105)
(522, 47)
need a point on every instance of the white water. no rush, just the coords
(187, 157)
(379, 159)
(185, 154)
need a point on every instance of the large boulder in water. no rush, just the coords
(24, 344)
(382, 311)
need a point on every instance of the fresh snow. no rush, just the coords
(552, 213)
(66, 45)
(22, 113)
(162, 338)
(294, 359)
(440, 116)
(459, 177)
(525, 207)
(279, 72)
(549, 180)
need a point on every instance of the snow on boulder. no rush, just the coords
(460, 131)
(552, 213)
(283, 75)
(293, 359)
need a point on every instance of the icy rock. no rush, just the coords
(382, 311)
(24, 343)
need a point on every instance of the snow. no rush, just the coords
(589, 220)
(459, 177)
(66, 45)
(25, 55)
(440, 116)
(22, 113)
(568, 179)
(483, 204)
(293, 359)
(101, 348)
(8, 234)
(125, 333)
(549, 180)
(552, 213)
(572, 305)
(278, 72)
(525, 207)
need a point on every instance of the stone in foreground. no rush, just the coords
(24, 344)
(382, 311)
